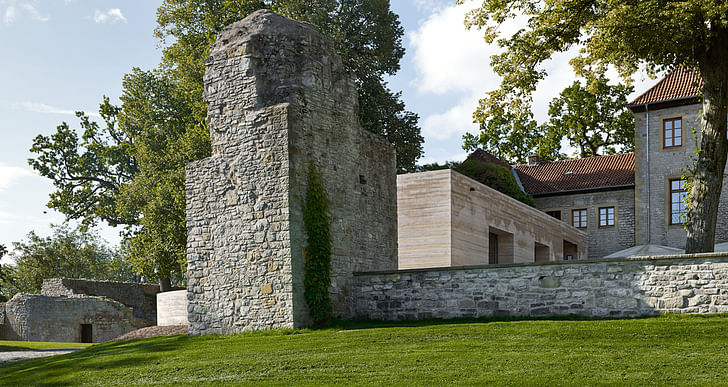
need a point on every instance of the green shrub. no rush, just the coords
(317, 268)
(494, 176)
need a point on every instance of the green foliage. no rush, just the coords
(87, 171)
(70, 253)
(317, 270)
(437, 166)
(366, 33)
(5, 275)
(166, 137)
(132, 171)
(654, 34)
(596, 122)
(494, 176)
(665, 350)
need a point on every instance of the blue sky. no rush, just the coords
(59, 56)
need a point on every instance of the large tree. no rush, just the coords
(595, 122)
(656, 34)
(367, 34)
(131, 172)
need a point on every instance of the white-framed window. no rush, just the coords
(606, 216)
(578, 218)
(677, 201)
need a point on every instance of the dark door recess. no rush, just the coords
(87, 333)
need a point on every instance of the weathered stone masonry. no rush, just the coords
(138, 296)
(617, 288)
(279, 100)
(36, 317)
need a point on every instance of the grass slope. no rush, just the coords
(661, 350)
(6, 346)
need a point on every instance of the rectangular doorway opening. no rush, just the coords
(570, 251)
(541, 253)
(500, 246)
(492, 248)
(87, 333)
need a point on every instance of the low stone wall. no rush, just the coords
(172, 308)
(35, 317)
(696, 283)
(139, 296)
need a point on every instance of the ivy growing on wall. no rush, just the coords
(317, 269)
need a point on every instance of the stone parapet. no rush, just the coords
(36, 317)
(695, 283)
(141, 297)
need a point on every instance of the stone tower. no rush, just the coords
(280, 100)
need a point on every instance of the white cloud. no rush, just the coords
(453, 64)
(48, 109)
(111, 16)
(454, 122)
(14, 9)
(10, 14)
(9, 174)
(34, 14)
(427, 5)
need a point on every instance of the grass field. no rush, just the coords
(685, 350)
(32, 345)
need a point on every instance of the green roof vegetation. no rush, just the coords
(689, 350)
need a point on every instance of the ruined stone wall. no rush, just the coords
(616, 288)
(138, 296)
(35, 317)
(279, 101)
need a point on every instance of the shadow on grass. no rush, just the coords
(108, 356)
(366, 324)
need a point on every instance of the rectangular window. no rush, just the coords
(555, 214)
(677, 201)
(606, 216)
(578, 218)
(672, 129)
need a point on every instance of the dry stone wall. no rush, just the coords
(138, 296)
(36, 317)
(617, 288)
(279, 101)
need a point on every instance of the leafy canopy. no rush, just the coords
(656, 34)
(366, 33)
(595, 122)
(70, 253)
(131, 171)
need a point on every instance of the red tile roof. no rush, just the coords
(578, 174)
(681, 82)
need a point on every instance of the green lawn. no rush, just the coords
(661, 350)
(33, 345)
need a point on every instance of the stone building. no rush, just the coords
(635, 198)
(73, 310)
(448, 219)
(666, 116)
(279, 103)
(594, 194)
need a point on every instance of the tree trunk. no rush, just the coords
(707, 180)
(165, 284)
